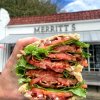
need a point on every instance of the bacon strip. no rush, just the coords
(62, 56)
(59, 66)
(47, 64)
(42, 94)
(50, 79)
(68, 48)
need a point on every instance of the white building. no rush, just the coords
(86, 23)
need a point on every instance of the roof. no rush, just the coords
(73, 16)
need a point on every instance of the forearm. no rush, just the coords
(7, 81)
(4, 93)
(7, 91)
(1, 88)
(9, 84)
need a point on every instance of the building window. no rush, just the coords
(94, 60)
(10, 49)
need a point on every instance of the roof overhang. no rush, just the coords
(87, 36)
(13, 38)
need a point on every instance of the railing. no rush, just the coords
(92, 78)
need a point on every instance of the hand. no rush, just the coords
(8, 78)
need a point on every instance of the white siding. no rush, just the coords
(87, 25)
(2, 35)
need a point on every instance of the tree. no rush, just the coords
(18, 8)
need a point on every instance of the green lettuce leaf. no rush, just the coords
(21, 62)
(82, 44)
(37, 52)
(23, 80)
(29, 48)
(79, 92)
(72, 41)
(76, 90)
(66, 74)
(85, 54)
(22, 66)
(20, 71)
(40, 53)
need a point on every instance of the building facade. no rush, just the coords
(86, 23)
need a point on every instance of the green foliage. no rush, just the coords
(18, 8)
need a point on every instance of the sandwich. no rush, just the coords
(50, 69)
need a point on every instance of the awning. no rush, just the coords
(87, 36)
(13, 38)
(90, 36)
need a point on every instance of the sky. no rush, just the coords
(76, 5)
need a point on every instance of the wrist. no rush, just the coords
(7, 91)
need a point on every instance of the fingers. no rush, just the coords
(20, 45)
(25, 41)
(13, 58)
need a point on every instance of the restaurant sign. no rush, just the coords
(54, 28)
